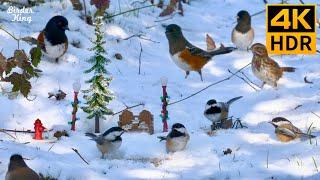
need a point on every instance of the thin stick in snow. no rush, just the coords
(315, 114)
(1, 130)
(130, 107)
(140, 58)
(315, 164)
(215, 83)
(267, 159)
(76, 151)
(242, 80)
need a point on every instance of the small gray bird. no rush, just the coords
(18, 170)
(177, 139)
(242, 35)
(217, 111)
(108, 142)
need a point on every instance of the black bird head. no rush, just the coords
(178, 127)
(279, 121)
(211, 102)
(243, 16)
(55, 30)
(113, 133)
(244, 21)
(173, 31)
(16, 161)
(58, 22)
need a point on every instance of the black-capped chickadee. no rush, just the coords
(217, 111)
(108, 142)
(19, 170)
(286, 131)
(177, 139)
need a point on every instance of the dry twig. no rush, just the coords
(129, 107)
(307, 81)
(244, 80)
(215, 83)
(140, 58)
(76, 151)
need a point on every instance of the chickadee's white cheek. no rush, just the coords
(182, 130)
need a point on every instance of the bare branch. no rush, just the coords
(140, 58)
(130, 107)
(215, 83)
(76, 151)
(307, 81)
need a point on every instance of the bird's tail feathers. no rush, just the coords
(288, 69)
(233, 100)
(93, 136)
(162, 138)
(308, 135)
(222, 50)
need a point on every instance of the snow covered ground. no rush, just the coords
(256, 153)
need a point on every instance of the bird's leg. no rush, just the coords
(57, 60)
(200, 73)
(187, 74)
(213, 127)
(263, 83)
(102, 156)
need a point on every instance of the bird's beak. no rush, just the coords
(66, 28)
(270, 122)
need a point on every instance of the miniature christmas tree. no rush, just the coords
(98, 96)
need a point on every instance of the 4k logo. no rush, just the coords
(291, 29)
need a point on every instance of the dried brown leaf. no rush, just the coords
(211, 45)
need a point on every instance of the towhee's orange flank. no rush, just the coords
(187, 56)
(53, 40)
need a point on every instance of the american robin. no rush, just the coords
(265, 68)
(218, 111)
(108, 142)
(19, 170)
(286, 131)
(243, 34)
(187, 56)
(53, 40)
(177, 139)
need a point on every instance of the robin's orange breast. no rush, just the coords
(194, 61)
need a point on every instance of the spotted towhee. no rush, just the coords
(177, 139)
(53, 40)
(286, 131)
(187, 56)
(243, 34)
(264, 67)
(18, 169)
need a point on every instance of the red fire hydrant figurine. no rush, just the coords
(38, 129)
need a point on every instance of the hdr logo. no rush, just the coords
(291, 29)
